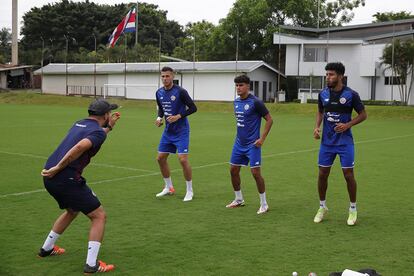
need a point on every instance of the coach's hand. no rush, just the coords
(340, 127)
(50, 172)
(317, 133)
(174, 118)
(259, 142)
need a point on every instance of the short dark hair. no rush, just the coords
(167, 69)
(338, 67)
(242, 79)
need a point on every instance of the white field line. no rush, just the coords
(197, 167)
(92, 164)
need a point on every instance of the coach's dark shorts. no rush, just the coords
(73, 194)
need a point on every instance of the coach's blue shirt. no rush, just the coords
(249, 113)
(173, 102)
(337, 108)
(86, 128)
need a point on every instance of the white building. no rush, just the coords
(206, 81)
(358, 47)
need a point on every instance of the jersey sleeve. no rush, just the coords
(357, 103)
(261, 108)
(160, 110)
(97, 138)
(320, 104)
(186, 99)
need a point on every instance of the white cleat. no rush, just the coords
(263, 209)
(166, 191)
(188, 196)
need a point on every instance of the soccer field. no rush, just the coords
(150, 236)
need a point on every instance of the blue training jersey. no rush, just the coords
(173, 102)
(86, 128)
(249, 113)
(337, 108)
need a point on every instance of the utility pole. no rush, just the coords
(15, 51)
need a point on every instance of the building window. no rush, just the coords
(393, 80)
(176, 82)
(315, 54)
(305, 83)
(270, 86)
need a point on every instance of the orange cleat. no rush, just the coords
(55, 251)
(99, 268)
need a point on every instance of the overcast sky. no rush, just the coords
(185, 11)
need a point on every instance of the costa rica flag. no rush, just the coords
(127, 25)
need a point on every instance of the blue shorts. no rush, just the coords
(174, 144)
(241, 155)
(327, 155)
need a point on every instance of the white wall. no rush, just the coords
(3, 79)
(262, 74)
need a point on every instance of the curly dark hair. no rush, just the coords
(338, 67)
(242, 79)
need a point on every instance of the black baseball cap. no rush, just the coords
(100, 106)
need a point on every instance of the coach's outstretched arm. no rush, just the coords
(74, 153)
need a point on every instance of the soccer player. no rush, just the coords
(249, 111)
(335, 105)
(62, 177)
(175, 105)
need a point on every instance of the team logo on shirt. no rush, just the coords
(342, 100)
(172, 98)
(246, 107)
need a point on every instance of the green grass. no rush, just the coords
(149, 236)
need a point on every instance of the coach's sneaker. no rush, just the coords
(352, 218)
(99, 267)
(236, 203)
(322, 211)
(263, 209)
(55, 251)
(188, 196)
(166, 191)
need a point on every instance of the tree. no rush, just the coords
(5, 45)
(82, 20)
(391, 16)
(402, 65)
(201, 33)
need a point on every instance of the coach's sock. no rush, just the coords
(322, 203)
(239, 195)
(50, 241)
(189, 186)
(168, 182)
(93, 250)
(352, 206)
(263, 199)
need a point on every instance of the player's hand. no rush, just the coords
(340, 127)
(159, 122)
(173, 118)
(258, 143)
(317, 133)
(50, 172)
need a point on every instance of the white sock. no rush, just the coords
(352, 206)
(50, 240)
(93, 250)
(263, 199)
(322, 203)
(239, 195)
(168, 182)
(189, 186)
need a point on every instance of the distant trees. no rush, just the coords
(5, 45)
(252, 21)
(400, 58)
(390, 16)
(81, 20)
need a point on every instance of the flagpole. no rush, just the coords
(125, 65)
(136, 25)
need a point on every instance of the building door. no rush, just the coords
(264, 91)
